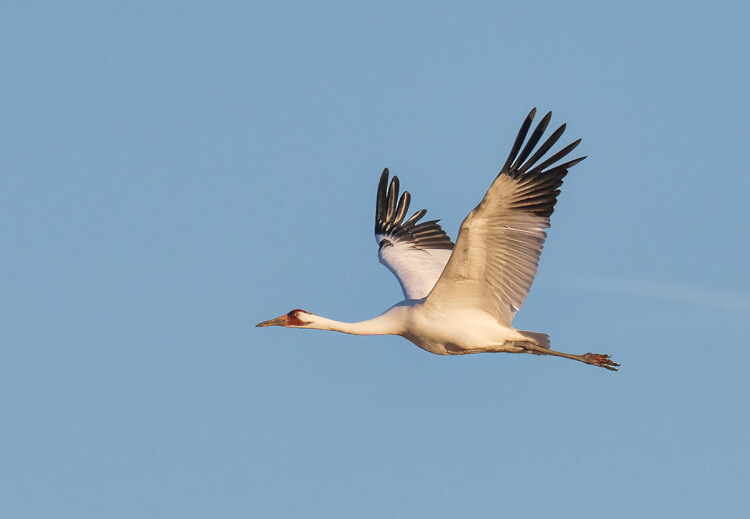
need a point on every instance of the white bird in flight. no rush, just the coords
(461, 298)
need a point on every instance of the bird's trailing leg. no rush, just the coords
(601, 360)
(595, 359)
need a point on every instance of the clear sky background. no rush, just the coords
(172, 173)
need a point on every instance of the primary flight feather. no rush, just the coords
(461, 298)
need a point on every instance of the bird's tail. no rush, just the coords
(541, 339)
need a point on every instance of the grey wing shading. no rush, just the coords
(498, 246)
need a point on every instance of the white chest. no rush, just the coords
(457, 332)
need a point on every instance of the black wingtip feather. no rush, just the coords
(381, 202)
(515, 165)
(389, 219)
(533, 140)
(520, 138)
(556, 157)
(403, 206)
(537, 184)
(392, 194)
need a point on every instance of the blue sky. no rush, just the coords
(173, 173)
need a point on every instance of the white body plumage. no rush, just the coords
(454, 332)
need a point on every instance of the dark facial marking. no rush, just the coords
(292, 318)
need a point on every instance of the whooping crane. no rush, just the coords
(461, 298)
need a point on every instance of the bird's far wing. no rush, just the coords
(498, 246)
(415, 252)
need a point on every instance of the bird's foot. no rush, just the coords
(603, 361)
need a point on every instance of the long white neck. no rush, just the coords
(385, 324)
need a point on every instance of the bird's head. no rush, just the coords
(294, 319)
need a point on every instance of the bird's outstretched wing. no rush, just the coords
(498, 246)
(415, 252)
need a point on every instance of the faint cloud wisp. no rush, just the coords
(675, 292)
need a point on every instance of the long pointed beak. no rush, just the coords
(279, 321)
